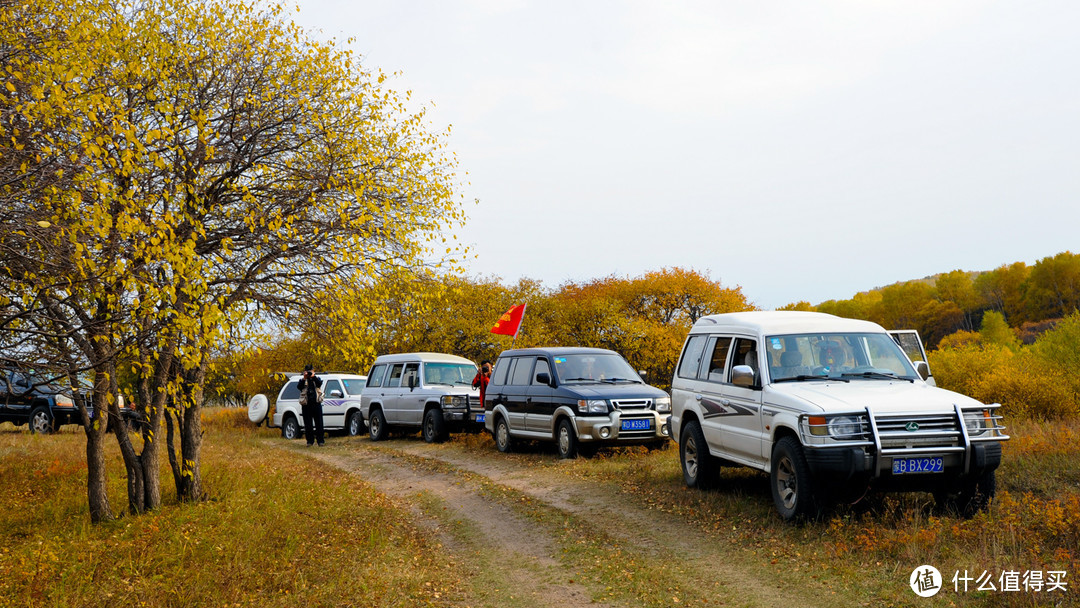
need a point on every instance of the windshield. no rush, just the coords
(855, 355)
(449, 373)
(599, 367)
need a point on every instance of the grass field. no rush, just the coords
(283, 530)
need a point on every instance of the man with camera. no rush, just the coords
(311, 406)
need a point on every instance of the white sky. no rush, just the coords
(800, 150)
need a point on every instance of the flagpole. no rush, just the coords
(524, 307)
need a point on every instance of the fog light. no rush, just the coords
(605, 432)
(666, 429)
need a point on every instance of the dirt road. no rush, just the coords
(516, 526)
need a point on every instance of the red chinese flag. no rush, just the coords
(509, 323)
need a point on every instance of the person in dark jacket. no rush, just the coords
(482, 378)
(312, 409)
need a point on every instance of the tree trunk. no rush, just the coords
(188, 472)
(97, 492)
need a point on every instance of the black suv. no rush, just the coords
(580, 398)
(25, 400)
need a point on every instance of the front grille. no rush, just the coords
(632, 404)
(474, 403)
(917, 431)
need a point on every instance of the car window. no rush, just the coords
(716, 358)
(291, 391)
(394, 377)
(541, 368)
(330, 386)
(375, 377)
(452, 374)
(412, 372)
(744, 353)
(502, 369)
(691, 357)
(353, 386)
(521, 371)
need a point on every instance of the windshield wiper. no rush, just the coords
(581, 380)
(881, 375)
(803, 377)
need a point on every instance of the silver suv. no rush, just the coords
(829, 407)
(431, 392)
(341, 405)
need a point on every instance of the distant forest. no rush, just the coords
(1031, 299)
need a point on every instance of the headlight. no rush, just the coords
(663, 404)
(845, 427)
(454, 401)
(64, 401)
(977, 422)
(592, 406)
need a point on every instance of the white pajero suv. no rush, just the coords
(829, 407)
(431, 392)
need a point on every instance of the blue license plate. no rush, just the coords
(905, 466)
(479, 417)
(636, 424)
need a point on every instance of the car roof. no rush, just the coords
(423, 357)
(782, 322)
(330, 376)
(557, 350)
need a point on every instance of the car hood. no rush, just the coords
(622, 390)
(880, 395)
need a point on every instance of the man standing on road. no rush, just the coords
(312, 406)
(482, 378)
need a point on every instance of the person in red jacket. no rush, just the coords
(482, 378)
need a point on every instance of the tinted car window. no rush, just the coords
(744, 353)
(375, 377)
(541, 368)
(521, 372)
(502, 367)
(412, 371)
(291, 391)
(691, 358)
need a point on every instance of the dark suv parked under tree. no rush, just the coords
(27, 400)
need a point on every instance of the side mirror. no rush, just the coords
(412, 382)
(644, 373)
(336, 394)
(743, 375)
(544, 378)
(923, 369)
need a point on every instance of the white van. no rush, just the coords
(829, 407)
(431, 392)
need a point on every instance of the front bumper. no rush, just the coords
(610, 427)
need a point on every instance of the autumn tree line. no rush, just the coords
(1031, 366)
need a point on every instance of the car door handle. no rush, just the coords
(725, 402)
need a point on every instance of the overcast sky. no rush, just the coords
(801, 150)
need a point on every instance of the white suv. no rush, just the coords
(341, 405)
(427, 391)
(829, 407)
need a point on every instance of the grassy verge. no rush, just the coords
(281, 530)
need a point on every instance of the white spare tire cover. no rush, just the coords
(258, 407)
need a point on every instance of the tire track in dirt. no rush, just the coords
(532, 567)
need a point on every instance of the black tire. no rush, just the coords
(503, 441)
(354, 426)
(377, 428)
(433, 430)
(698, 465)
(566, 441)
(967, 496)
(41, 421)
(290, 428)
(792, 484)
